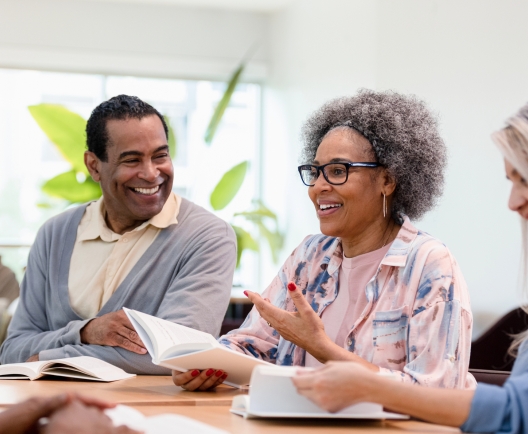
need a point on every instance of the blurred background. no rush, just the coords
(467, 59)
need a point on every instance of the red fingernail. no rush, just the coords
(209, 372)
(245, 293)
(195, 373)
(218, 373)
(224, 376)
(292, 286)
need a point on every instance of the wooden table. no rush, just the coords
(138, 391)
(220, 417)
(154, 395)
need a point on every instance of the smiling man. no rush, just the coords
(140, 246)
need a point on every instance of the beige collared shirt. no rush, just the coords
(102, 259)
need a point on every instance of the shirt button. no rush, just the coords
(349, 342)
(452, 359)
(125, 240)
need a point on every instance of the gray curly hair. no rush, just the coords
(405, 139)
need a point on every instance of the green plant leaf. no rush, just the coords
(244, 241)
(222, 105)
(172, 141)
(66, 186)
(65, 129)
(258, 214)
(274, 238)
(228, 186)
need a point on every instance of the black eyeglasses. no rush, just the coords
(334, 173)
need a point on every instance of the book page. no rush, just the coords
(21, 371)
(99, 369)
(161, 424)
(168, 334)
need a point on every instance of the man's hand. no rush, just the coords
(23, 418)
(34, 358)
(304, 328)
(115, 330)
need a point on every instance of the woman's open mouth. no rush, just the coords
(328, 208)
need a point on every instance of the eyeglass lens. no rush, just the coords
(335, 173)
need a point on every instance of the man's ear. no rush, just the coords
(93, 164)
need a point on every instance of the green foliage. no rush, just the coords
(66, 186)
(228, 187)
(65, 129)
(244, 241)
(222, 105)
(261, 217)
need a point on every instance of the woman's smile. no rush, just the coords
(327, 207)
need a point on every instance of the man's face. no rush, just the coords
(137, 178)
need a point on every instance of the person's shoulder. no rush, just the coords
(61, 220)
(427, 244)
(199, 221)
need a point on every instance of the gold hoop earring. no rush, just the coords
(384, 206)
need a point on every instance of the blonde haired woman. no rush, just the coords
(486, 409)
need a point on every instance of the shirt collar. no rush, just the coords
(97, 227)
(396, 256)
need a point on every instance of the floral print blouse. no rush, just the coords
(417, 322)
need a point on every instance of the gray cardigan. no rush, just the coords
(185, 276)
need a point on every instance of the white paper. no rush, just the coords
(161, 424)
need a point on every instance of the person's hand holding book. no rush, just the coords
(115, 330)
(195, 380)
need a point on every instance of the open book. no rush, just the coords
(182, 348)
(84, 368)
(272, 394)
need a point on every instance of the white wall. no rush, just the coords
(466, 59)
(138, 39)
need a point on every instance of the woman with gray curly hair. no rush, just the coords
(489, 408)
(371, 288)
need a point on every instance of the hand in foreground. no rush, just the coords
(24, 417)
(115, 330)
(336, 385)
(194, 380)
(33, 358)
(304, 328)
(78, 418)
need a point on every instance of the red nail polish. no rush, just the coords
(292, 286)
(224, 376)
(245, 293)
(195, 373)
(209, 372)
(218, 373)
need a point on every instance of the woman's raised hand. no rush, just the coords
(195, 380)
(303, 328)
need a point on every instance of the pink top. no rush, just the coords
(339, 317)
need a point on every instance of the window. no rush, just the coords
(28, 158)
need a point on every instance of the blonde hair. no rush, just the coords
(512, 141)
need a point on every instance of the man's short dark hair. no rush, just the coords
(121, 107)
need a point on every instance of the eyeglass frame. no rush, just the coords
(320, 169)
